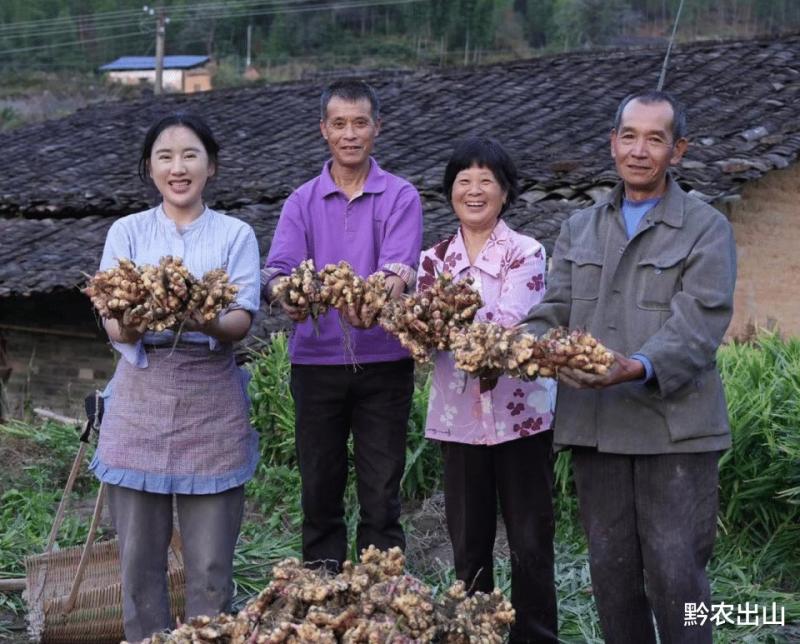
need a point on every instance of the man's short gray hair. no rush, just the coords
(655, 96)
(349, 90)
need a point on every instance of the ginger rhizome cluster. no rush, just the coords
(337, 286)
(424, 320)
(488, 349)
(372, 601)
(156, 298)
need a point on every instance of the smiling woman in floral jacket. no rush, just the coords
(496, 439)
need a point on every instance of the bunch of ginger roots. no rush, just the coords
(371, 602)
(440, 318)
(424, 321)
(336, 286)
(486, 349)
(157, 298)
(421, 321)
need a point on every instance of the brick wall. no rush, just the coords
(56, 352)
(766, 223)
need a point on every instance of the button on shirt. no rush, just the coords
(509, 274)
(378, 229)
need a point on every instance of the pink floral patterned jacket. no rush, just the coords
(509, 273)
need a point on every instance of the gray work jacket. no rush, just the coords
(666, 293)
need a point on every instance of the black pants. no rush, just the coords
(520, 473)
(374, 401)
(650, 522)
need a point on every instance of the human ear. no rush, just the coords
(678, 150)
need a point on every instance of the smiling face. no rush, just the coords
(180, 167)
(643, 148)
(350, 131)
(477, 198)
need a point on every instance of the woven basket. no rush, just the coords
(97, 612)
(75, 594)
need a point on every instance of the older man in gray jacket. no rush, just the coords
(650, 272)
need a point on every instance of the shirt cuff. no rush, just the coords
(132, 352)
(648, 366)
(267, 275)
(403, 271)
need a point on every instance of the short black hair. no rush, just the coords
(186, 119)
(350, 90)
(656, 96)
(483, 152)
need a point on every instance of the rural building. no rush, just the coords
(186, 74)
(63, 182)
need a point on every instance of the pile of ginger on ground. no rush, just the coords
(373, 601)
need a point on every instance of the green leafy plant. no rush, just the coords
(760, 474)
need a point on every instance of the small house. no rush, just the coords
(185, 74)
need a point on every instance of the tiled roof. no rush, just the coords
(553, 113)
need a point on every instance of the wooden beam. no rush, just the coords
(51, 415)
(12, 585)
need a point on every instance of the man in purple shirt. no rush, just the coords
(346, 377)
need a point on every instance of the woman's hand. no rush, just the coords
(118, 332)
(226, 327)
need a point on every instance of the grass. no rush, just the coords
(757, 556)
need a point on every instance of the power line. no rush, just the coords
(69, 44)
(243, 12)
(73, 28)
(128, 15)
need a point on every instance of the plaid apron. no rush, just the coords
(184, 415)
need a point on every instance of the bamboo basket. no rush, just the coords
(96, 616)
(74, 595)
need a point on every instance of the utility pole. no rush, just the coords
(249, 42)
(161, 29)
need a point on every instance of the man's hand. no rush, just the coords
(350, 315)
(395, 286)
(295, 313)
(623, 370)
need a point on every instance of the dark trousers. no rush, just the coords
(520, 474)
(650, 522)
(373, 401)
(209, 529)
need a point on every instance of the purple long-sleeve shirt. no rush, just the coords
(378, 229)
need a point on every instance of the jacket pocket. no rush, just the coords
(587, 268)
(698, 409)
(659, 278)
